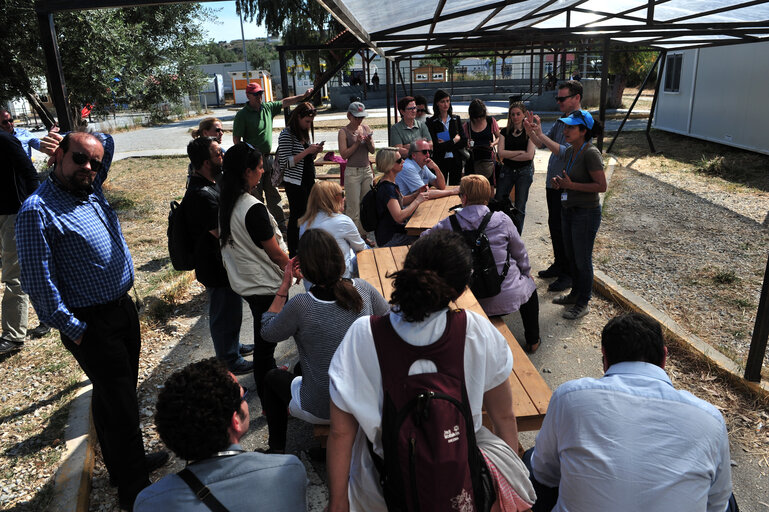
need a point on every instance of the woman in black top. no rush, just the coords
(517, 152)
(448, 138)
(482, 131)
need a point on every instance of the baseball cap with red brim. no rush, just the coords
(253, 88)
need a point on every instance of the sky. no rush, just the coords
(228, 26)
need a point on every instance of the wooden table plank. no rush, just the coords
(429, 213)
(367, 269)
(385, 264)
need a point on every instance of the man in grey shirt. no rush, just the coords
(202, 413)
(569, 99)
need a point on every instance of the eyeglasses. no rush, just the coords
(219, 130)
(244, 398)
(399, 161)
(427, 152)
(82, 158)
(311, 113)
(341, 194)
(411, 108)
(7, 121)
(561, 99)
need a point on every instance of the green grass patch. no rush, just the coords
(725, 277)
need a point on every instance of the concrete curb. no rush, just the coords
(609, 288)
(72, 482)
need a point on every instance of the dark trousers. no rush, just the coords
(266, 192)
(521, 179)
(451, 169)
(277, 396)
(225, 314)
(297, 203)
(109, 356)
(530, 318)
(264, 351)
(561, 261)
(580, 227)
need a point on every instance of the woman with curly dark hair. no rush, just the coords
(317, 320)
(421, 326)
(253, 251)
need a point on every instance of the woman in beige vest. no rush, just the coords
(253, 251)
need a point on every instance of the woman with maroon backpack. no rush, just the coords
(407, 391)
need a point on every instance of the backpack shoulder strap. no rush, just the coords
(455, 223)
(201, 491)
(485, 222)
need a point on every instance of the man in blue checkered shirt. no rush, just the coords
(77, 270)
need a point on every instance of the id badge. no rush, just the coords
(564, 196)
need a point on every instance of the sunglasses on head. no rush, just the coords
(82, 158)
(561, 99)
(8, 121)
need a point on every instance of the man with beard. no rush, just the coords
(201, 218)
(77, 271)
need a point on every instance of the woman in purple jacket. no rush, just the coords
(519, 292)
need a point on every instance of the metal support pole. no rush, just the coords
(243, 39)
(531, 71)
(364, 61)
(760, 334)
(604, 88)
(654, 102)
(640, 89)
(55, 73)
(284, 79)
(411, 76)
(494, 73)
(389, 97)
(541, 68)
(395, 91)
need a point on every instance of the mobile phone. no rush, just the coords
(322, 142)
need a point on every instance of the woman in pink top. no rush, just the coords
(355, 144)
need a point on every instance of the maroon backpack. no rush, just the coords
(431, 461)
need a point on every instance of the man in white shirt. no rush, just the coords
(420, 170)
(630, 441)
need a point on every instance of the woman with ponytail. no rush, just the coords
(318, 320)
(422, 325)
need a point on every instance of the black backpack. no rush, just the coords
(369, 217)
(181, 246)
(485, 280)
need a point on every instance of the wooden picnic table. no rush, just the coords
(531, 393)
(429, 213)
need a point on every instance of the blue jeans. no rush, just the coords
(580, 226)
(521, 179)
(225, 313)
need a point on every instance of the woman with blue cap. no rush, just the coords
(580, 183)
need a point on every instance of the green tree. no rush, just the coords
(213, 53)
(628, 68)
(260, 54)
(107, 55)
(298, 22)
(440, 59)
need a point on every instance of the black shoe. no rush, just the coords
(565, 299)
(243, 367)
(39, 331)
(551, 271)
(560, 284)
(7, 346)
(152, 461)
(246, 350)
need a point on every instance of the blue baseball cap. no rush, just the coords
(578, 117)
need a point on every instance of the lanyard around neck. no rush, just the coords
(573, 159)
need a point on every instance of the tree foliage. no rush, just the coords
(109, 56)
(298, 22)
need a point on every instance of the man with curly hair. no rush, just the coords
(201, 415)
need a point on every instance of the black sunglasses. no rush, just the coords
(561, 99)
(427, 152)
(82, 158)
(8, 121)
(399, 161)
(219, 130)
